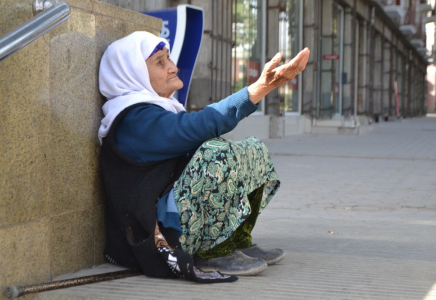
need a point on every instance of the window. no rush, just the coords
(248, 49)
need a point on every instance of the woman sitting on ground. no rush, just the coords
(180, 200)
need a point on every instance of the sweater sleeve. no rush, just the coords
(150, 133)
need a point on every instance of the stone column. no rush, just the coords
(387, 66)
(272, 47)
(200, 90)
(378, 75)
(310, 40)
(348, 63)
(363, 93)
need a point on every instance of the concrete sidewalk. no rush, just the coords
(356, 216)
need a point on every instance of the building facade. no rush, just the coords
(368, 60)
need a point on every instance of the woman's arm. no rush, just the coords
(150, 133)
(273, 77)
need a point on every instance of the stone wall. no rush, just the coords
(141, 5)
(51, 201)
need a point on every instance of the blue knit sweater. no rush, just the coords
(150, 133)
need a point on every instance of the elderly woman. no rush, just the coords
(181, 201)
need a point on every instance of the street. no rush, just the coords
(356, 216)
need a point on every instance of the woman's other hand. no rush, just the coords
(274, 76)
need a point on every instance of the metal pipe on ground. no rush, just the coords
(13, 291)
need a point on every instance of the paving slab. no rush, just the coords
(356, 216)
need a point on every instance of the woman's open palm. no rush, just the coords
(274, 76)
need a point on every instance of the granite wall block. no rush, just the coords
(51, 200)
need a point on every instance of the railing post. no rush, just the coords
(41, 5)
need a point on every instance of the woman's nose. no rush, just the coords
(173, 68)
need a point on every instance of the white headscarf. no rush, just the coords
(124, 78)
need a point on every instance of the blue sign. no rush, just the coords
(182, 26)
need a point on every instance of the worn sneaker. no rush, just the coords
(271, 257)
(236, 263)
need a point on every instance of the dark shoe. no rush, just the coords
(236, 263)
(271, 257)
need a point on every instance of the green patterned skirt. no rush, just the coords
(211, 194)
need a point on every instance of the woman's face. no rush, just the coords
(163, 74)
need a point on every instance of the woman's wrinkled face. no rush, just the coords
(163, 74)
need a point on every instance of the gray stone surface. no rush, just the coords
(355, 215)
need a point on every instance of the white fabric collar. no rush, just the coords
(124, 78)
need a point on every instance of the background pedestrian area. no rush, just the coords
(356, 216)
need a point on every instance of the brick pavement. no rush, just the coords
(391, 168)
(355, 214)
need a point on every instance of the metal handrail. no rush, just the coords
(29, 31)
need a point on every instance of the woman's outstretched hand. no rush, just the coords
(273, 76)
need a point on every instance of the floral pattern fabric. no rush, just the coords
(211, 194)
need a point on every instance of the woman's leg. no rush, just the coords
(241, 238)
(214, 191)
